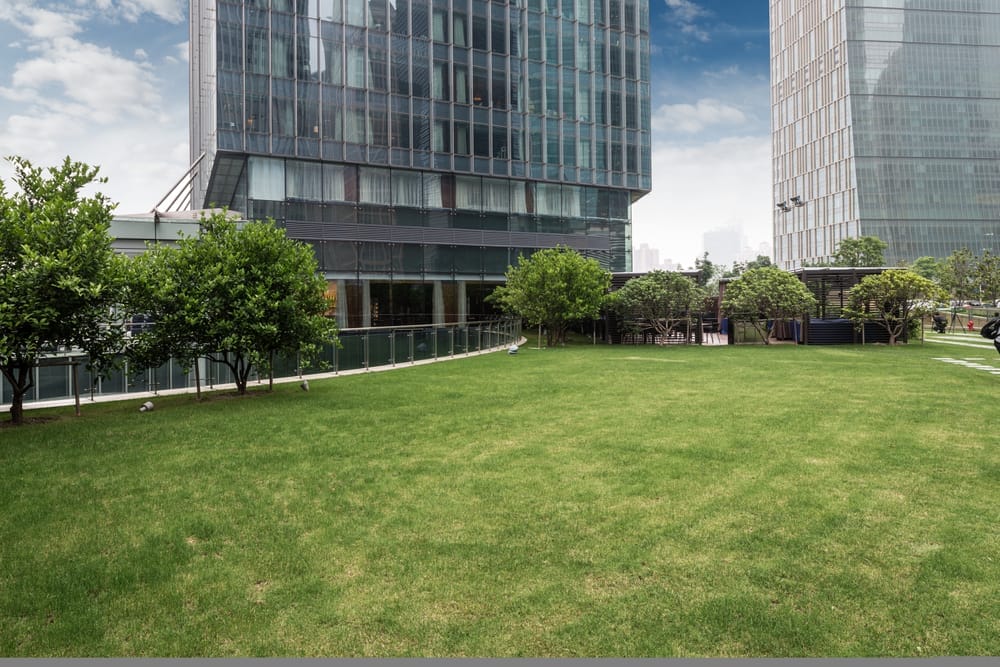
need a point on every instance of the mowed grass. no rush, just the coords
(586, 501)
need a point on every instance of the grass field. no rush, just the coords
(587, 501)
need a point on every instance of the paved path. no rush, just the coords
(962, 338)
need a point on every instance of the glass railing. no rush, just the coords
(360, 349)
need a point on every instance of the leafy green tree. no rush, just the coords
(740, 267)
(892, 299)
(661, 299)
(235, 294)
(767, 293)
(987, 275)
(958, 274)
(928, 267)
(554, 288)
(863, 251)
(706, 270)
(59, 277)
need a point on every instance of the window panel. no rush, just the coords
(266, 179)
(407, 189)
(334, 183)
(304, 180)
(468, 193)
(374, 186)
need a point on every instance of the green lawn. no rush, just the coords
(586, 501)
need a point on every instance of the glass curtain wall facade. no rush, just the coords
(420, 146)
(886, 122)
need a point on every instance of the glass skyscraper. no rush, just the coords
(420, 146)
(886, 122)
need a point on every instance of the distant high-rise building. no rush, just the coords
(886, 122)
(646, 258)
(421, 146)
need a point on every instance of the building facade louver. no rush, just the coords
(886, 123)
(421, 146)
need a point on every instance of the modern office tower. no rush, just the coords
(886, 123)
(421, 145)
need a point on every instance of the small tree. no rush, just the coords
(706, 270)
(863, 251)
(892, 299)
(554, 288)
(987, 275)
(59, 277)
(236, 295)
(767, 293)
(663, 299)
(928, 267)
(958, 274)
(740, 267)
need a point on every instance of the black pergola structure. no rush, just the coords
(826, 324)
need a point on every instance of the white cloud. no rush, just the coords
(62, 95)
(39, 23)
(692, 118)
(76, 77)
(686, 13)
(173, 11)
(722, 184)
(731, 72)
(685, 10)
(140, 160)
(168, 10)
(696, 32)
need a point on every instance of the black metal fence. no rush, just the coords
(360, 349)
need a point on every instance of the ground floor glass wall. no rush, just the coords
(384, 302)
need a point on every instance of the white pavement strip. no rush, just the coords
(975, 363)
(971, 362)
(961, 339)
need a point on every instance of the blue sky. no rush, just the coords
(105, 82)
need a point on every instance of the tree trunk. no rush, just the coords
(242, 373)
(18, 375)
(197, 379)
(19, 378)
(17, 408)
(766, 331)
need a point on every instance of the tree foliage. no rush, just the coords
(236, 295)
(706, 270)
(958, 274)
(659, 299)
(863, 251)
(987, 275)
(928, 267)
(59, 277)
(766, 294)
(554, 288)
(892, 299)
(739, 268)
